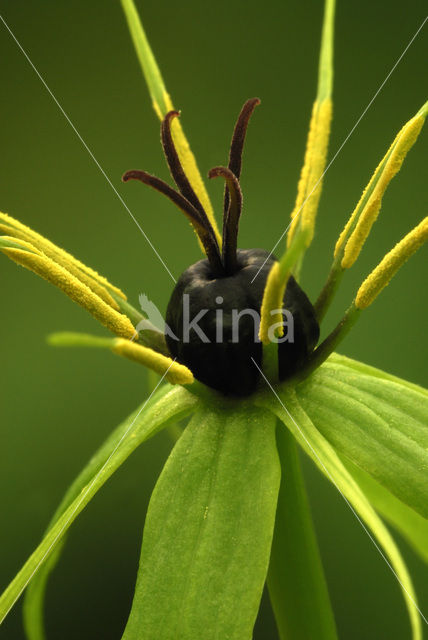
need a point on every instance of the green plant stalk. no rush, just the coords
(145, 55)
(327, 347)
(328, 292)
(296, 582)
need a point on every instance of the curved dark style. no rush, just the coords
(218, 291)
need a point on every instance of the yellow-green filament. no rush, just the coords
(175, 373)
(162, 103)
(272, 301)
(7, 224)
(390, 264)
(367, 210)
(310, 184)
(344, 235)
(271, 317)
(325, 65)
(74, 339)
(75, 289)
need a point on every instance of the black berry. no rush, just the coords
(211, 350)
(214, 312)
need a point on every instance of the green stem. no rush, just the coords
(294, 253)
(296, 582)
(327, 347)
(325, 65)
(327, 294)
(145, 56)
(270, 361)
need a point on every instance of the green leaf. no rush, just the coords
(288, 409)
(379, 423)
(208, 530)
(297, 586)
(412, 526)
(362, 367)
(150, 418)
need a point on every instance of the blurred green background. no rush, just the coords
(57, 406)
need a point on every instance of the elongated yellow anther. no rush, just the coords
(310, 183)
(75, 289)
(358, 227)
(175, 373)
(96, 287)
(74, 266)
(388, 267)
(272, 301)
(162, 103)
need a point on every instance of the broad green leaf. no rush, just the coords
(208, 530)
(362, 367)
(149, 419)
(297, 586)
(378, 423)
(412, 526)
(288, 409)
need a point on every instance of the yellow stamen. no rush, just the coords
(271, 319)
(162, 103)
(388, 267)
(84, 296)
(272, 300)
(310, 183)
(67, 264)
(358, 227)
(59, 255)
(276, 283)
(344, 235)
(176, 373)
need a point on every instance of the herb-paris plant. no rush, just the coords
(210, 523)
